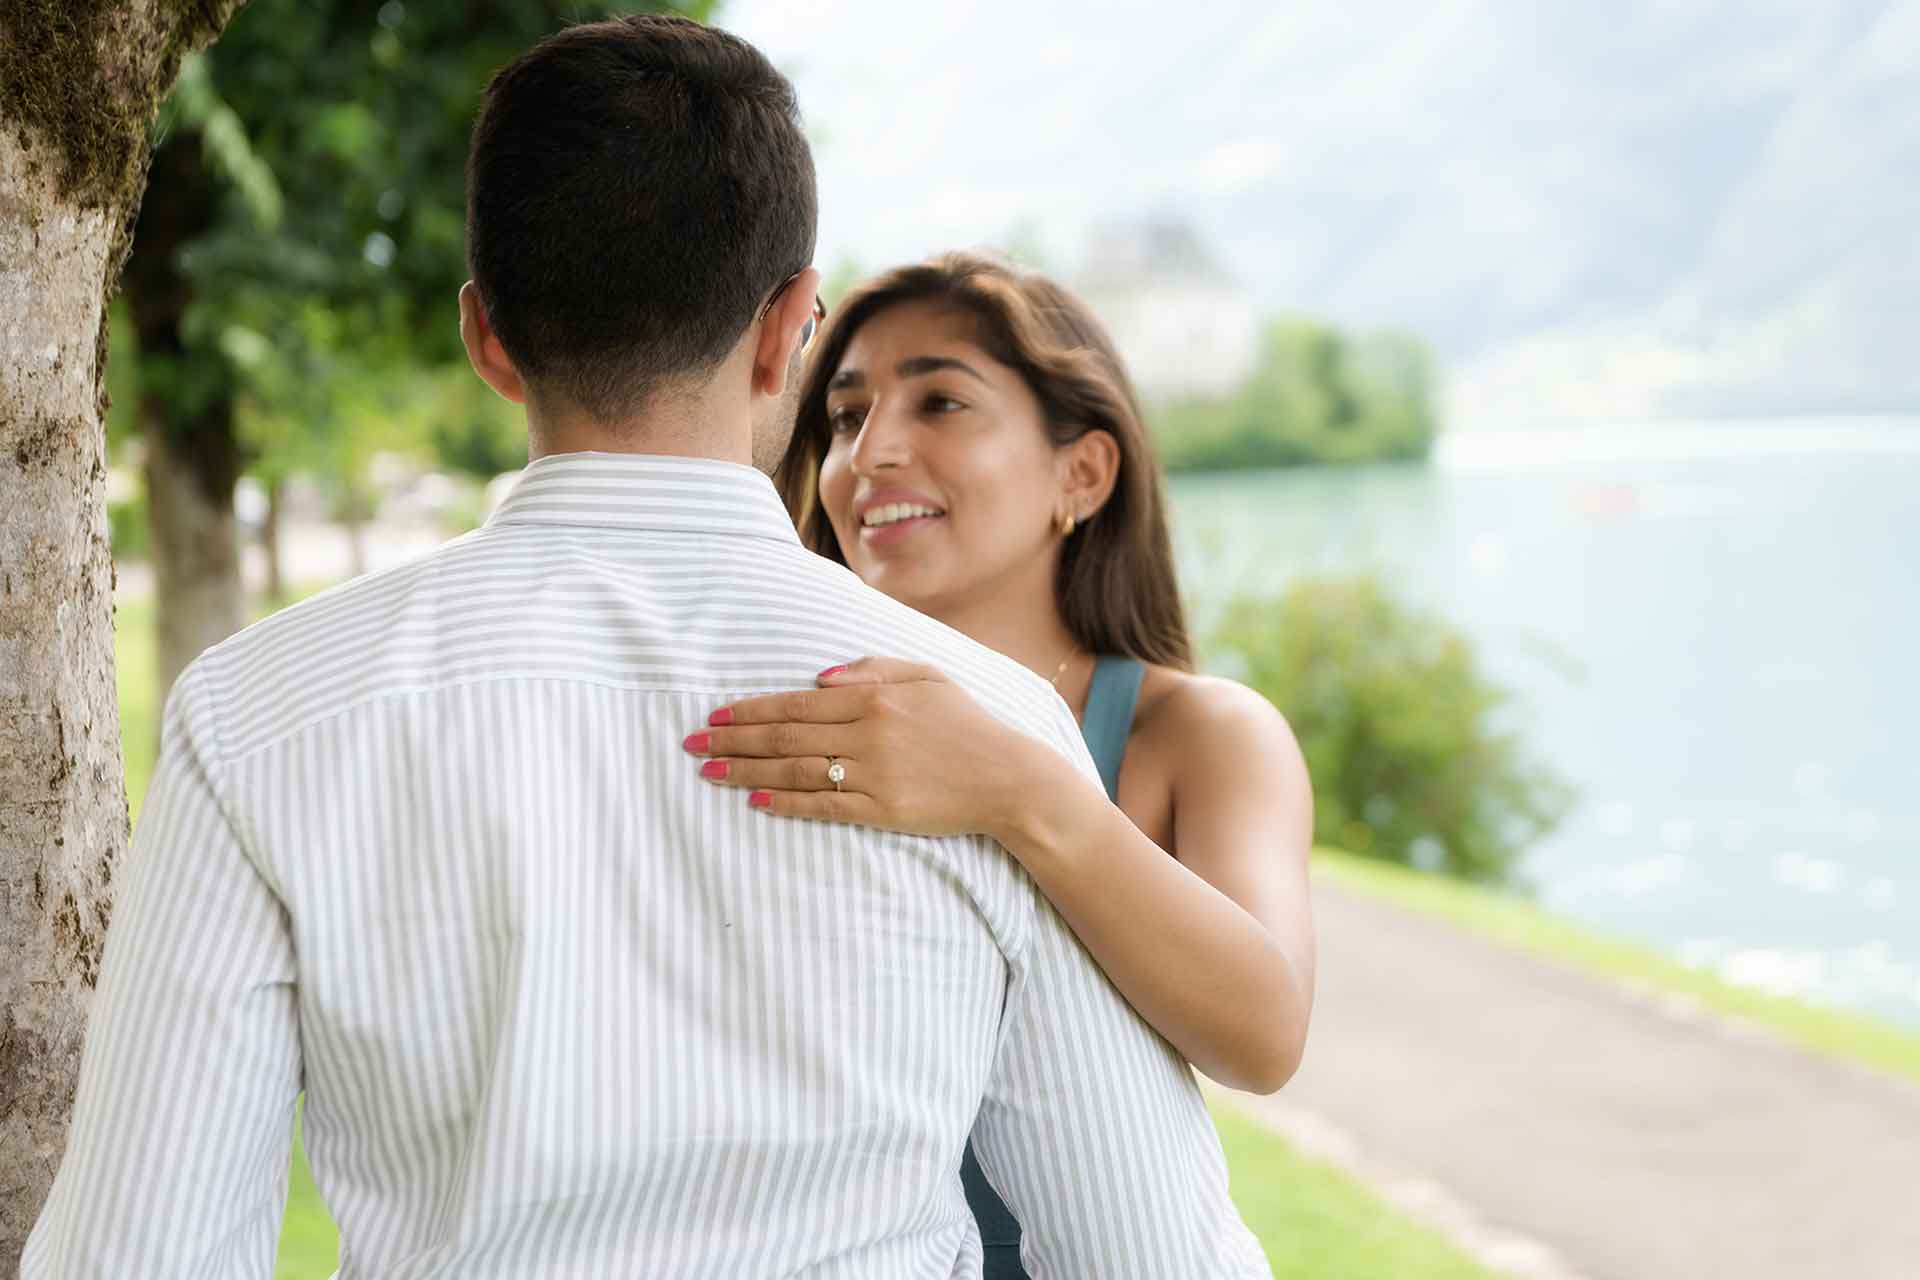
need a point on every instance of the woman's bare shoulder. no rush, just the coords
(1182, 706)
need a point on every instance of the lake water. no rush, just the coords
(1714, 632)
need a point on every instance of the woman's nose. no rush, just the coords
(881, 444)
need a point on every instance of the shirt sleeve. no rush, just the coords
(1093, 1129)
(177, 1154)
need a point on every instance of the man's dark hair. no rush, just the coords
(636, 187)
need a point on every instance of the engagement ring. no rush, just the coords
(836, 772)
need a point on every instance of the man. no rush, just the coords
(429, 847)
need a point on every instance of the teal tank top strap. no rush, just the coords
(1109, 716)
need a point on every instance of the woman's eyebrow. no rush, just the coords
(916, 366)
(846, 378)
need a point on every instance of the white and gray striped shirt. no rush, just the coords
(427, 846)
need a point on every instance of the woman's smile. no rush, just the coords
(890, 517)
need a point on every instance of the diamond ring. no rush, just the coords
(836, 772)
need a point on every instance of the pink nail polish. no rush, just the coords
(830, 672)
(714, 769)
(724, 716)
(697, 743)
(760, 799)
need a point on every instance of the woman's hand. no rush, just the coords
(920, 755)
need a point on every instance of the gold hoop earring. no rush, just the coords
(1067, 524)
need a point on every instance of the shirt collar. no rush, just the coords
(645, 491)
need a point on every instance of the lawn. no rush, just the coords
(1313, 1220)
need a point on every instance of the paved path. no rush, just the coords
(1633, 1141)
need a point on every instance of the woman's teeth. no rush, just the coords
(895, 513)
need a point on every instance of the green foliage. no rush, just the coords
(469, 428)
(1400, 727)
(331, 138)
(1313, 395)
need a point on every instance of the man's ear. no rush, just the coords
(1091, 467)
(779, 335)
(489, 359)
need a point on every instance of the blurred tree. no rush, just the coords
(468, 427)
(316, 159)
(1313, 395)
(1399, 726)
(79, 83)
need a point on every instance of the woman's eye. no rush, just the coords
(937, 403)
(845, 419)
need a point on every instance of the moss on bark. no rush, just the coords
(73, 84)
(56, 83)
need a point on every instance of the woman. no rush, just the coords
(967, 441)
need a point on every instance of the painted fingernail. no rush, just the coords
(833, 671)
(697, 743)
(724, 716)
(760, 799)
(714, 769)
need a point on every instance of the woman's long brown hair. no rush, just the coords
(1116, 588)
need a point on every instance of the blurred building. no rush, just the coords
(1184, 326)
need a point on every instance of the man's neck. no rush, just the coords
(692, 428)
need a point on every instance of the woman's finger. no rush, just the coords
(775, 741)
(808, 773)
(805, 706)
(821, 806)
(880, 671)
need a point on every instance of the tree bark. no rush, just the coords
(78, 87)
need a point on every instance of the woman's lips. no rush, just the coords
(887, 535)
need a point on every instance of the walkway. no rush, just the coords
(1633, 1141)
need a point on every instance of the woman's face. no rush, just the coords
(940, 481)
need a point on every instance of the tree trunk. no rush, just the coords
(356, 531)
(270, 540)
(193, 452)
(78, 87)
(198, 598)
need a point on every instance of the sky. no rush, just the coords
(1642, 209)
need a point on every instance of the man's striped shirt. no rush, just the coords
(427, 847)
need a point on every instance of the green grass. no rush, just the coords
(1512, 921)
(1313, 1220)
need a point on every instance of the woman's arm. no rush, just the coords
(1215, 949)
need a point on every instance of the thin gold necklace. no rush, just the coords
(1061, 669)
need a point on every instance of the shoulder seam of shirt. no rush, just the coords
(212, 760)
(398, 690)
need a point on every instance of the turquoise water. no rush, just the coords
(1715, 636)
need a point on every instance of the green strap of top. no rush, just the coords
(1109, 716)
